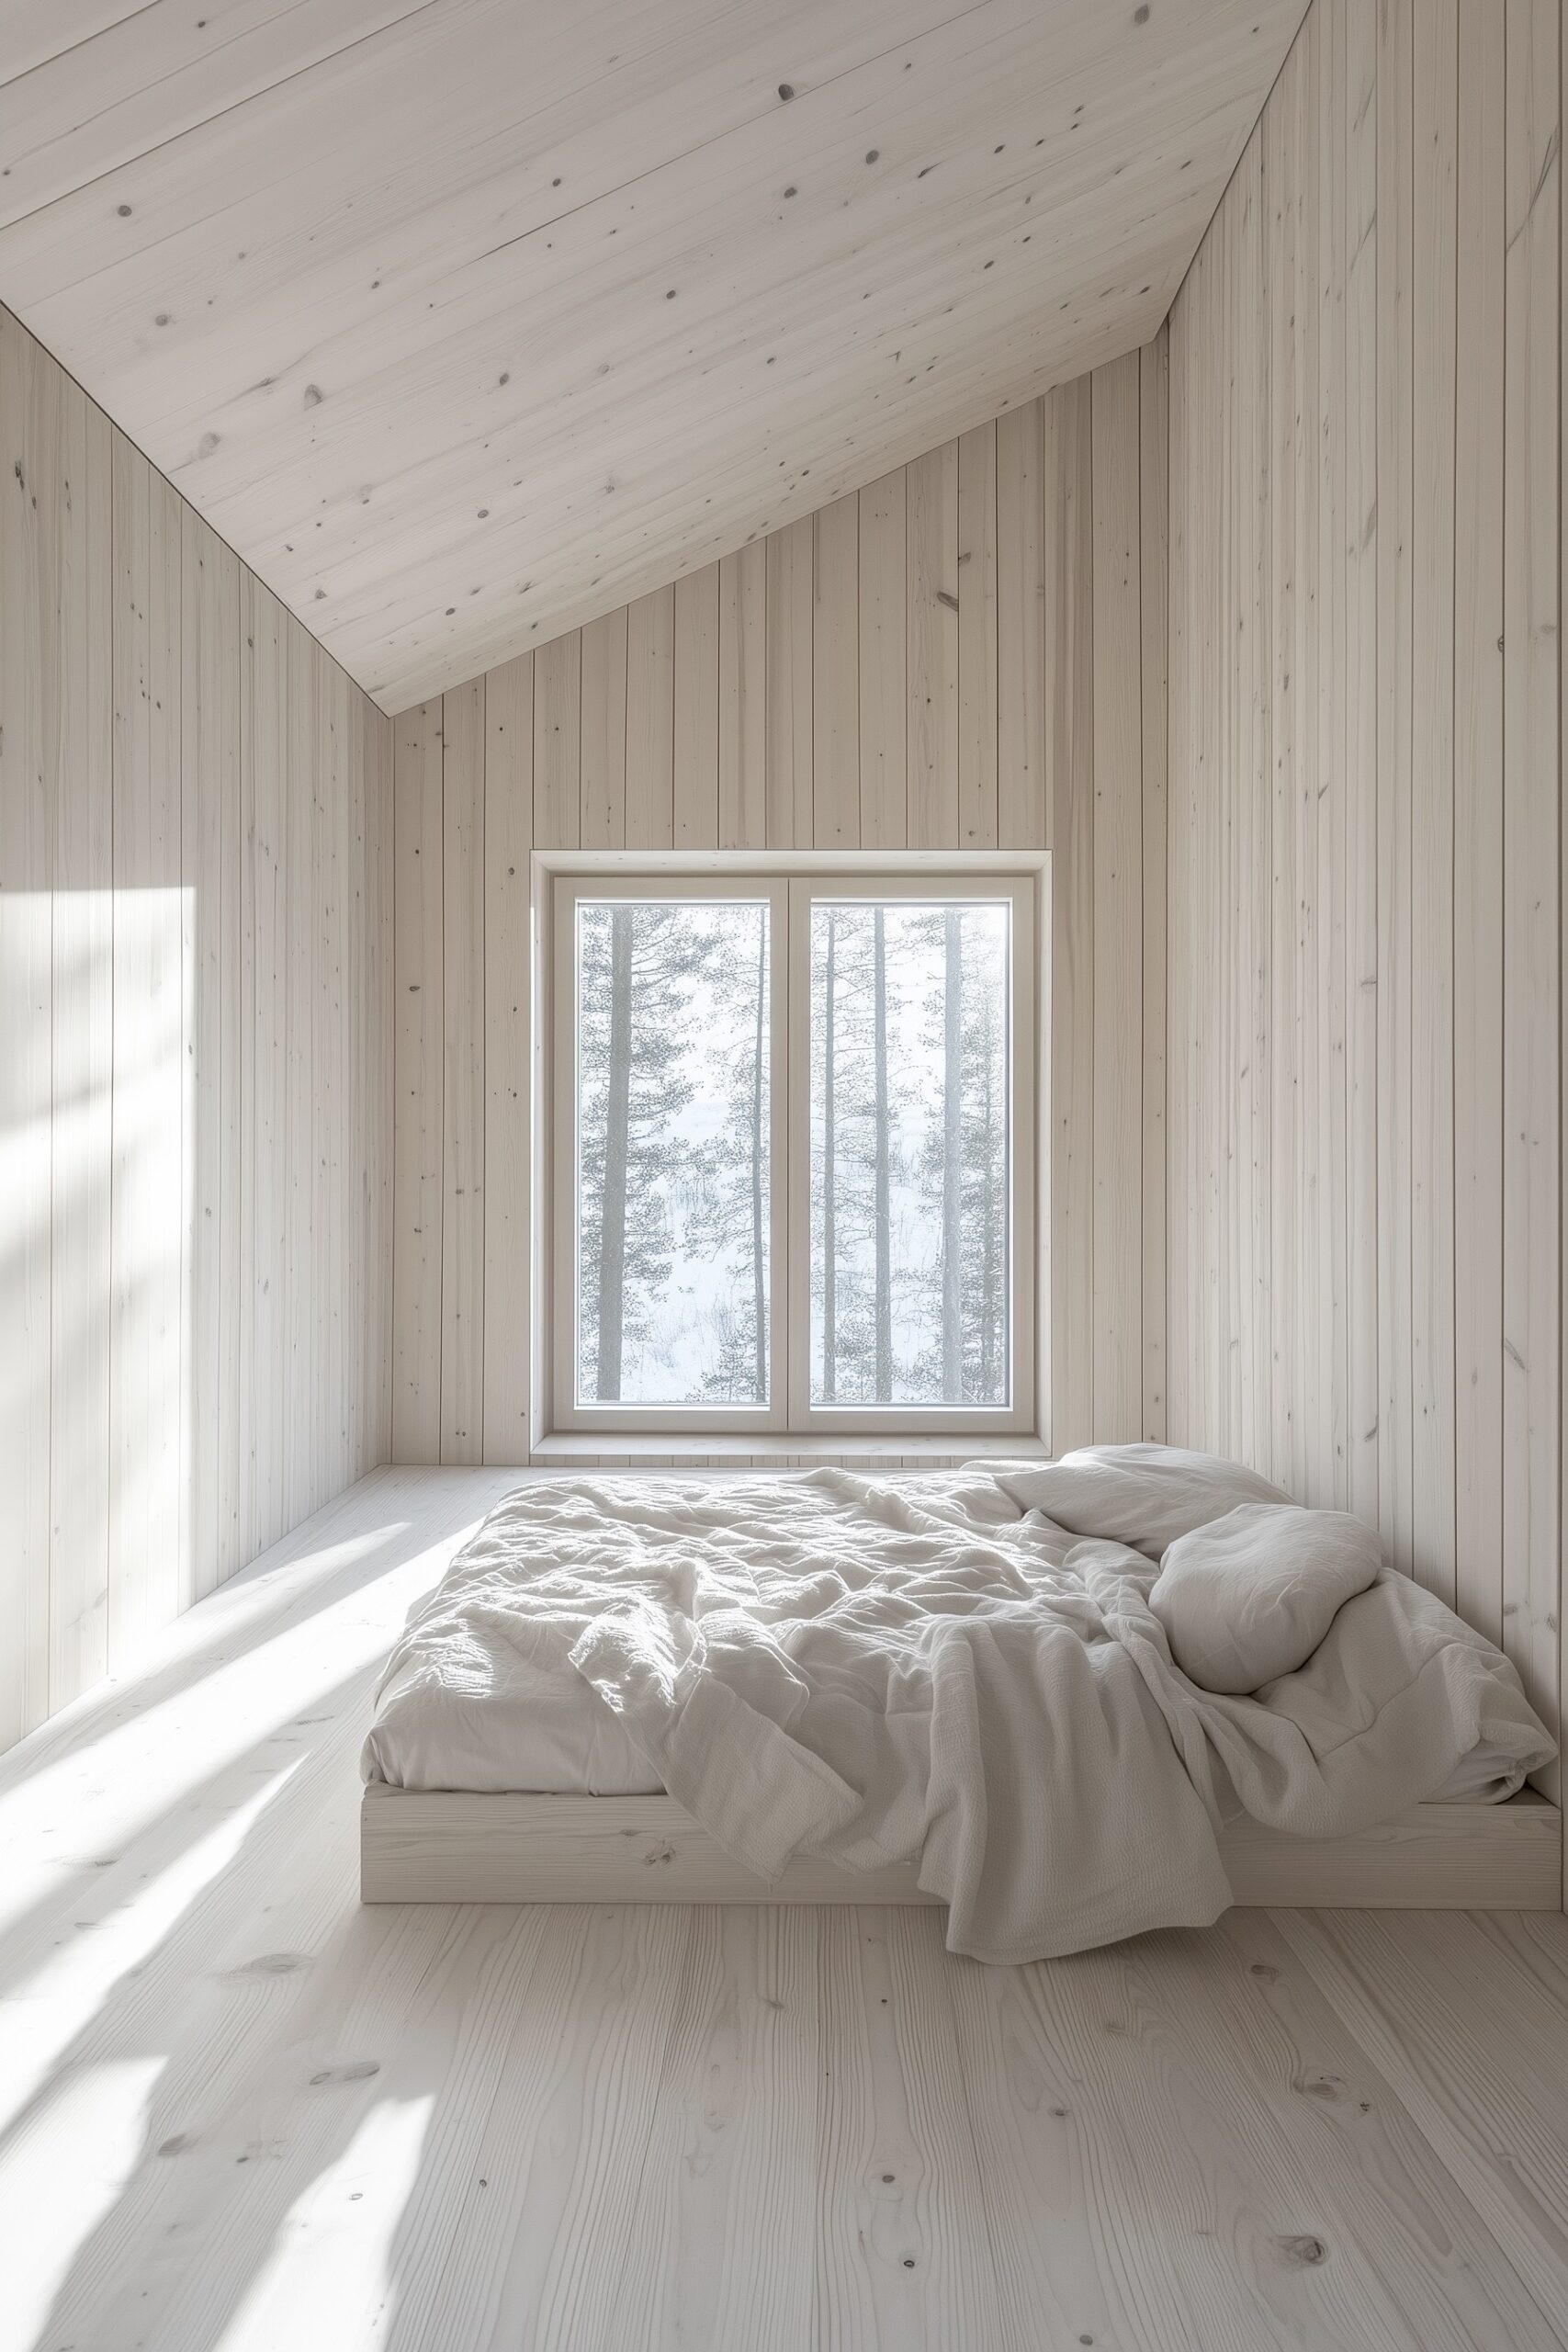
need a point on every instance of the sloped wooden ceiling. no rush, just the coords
(464, 322)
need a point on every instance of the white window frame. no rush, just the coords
(789, 886)
(871, 888)
(677, 889)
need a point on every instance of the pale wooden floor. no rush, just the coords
(236, 2111)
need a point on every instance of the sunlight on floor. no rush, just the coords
(53, 2207)
(82, 1970)
(209, 1720)
(337, 2241)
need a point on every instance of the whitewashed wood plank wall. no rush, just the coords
(1366, 919)
(196, 930)
(967, 654)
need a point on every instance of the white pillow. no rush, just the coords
(1146, 1495)
(1250, 1597)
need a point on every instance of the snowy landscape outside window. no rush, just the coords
(673, 1132)
(909, 1222)
(794, 1179)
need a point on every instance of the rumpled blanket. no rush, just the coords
(914, 1670)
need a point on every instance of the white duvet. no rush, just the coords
(916, 1669)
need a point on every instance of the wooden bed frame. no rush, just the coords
(453, 1847)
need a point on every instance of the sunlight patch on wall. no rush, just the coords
(96, 993)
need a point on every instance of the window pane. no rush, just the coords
(672, 1071)
(910, 1224)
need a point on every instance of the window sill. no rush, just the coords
(690, 1450)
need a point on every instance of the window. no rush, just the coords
(794, 1167)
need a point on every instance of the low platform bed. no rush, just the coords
(451, 1847)
(1038, 1685)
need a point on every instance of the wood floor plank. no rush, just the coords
(1179, 2151)
(1039, 2176)
(539, 2258)
(734, 2136)
(1475, 2049)
(1441, 2267)
(242, 2255)
(902, 2257)
(85, 1804)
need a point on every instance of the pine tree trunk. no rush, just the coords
(613, 1218)
(988, 1237)
(952, 1164)
(759, 1263)
(830, 1174)
(882, 1211)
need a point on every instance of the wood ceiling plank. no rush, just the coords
(776, 222)
(30, 35)
(160, 71)
(497, 318)
(697, 462)
(402, 616)
(453, 135)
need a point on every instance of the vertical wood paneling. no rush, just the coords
(1253, 1041)
(1331, 1113)
(353, 986)
(1361, 755)
(914, 665)
(1402, 336)
(1221, 850)
(1531, 793)
(1025, 792)
(189, 843)
(1216, 1265)
(463, 1089)
(1180, 1332)
(696, 710)
(384, 1043)
(302, 759)
(1154, 575)
(1066, 535)
(418, 986)
(884, 762)
(788, 667)
(1395, 556)
(1310, 1425)
(835, 674)
(930, 529)
(209, 744)
(508, 831)
(262, 752)
(1436, 127)
(78, 744)
(602, 788)
(744, 708)
(650, 721)
(148, 1400)
(331, 1074)
(558, 738)
(977, 723)
(1280, 129)
(1118, 916)
(1554, 1779)
(1478, 824)
(29, 686)
(251, 1073)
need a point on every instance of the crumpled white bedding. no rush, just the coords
(879, 1670)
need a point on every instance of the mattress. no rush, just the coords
(930, 1672)
(462, 1707)
(537, 1731)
